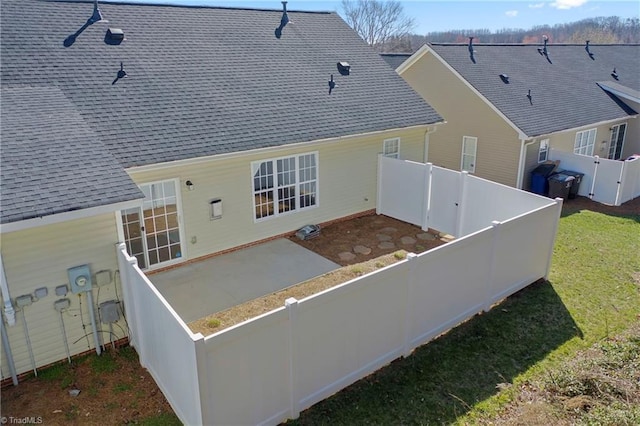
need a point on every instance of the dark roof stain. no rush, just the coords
(564, 90)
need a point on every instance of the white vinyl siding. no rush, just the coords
(585, 142)
(391, 148)
(469, 151)
(543, 151)
(39, 257)
(284, 184)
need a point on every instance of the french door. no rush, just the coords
(152, 232)
(617, 141)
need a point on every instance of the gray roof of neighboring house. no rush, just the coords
(564, 89)
(51, 161)
(395, 59)
(200, 81)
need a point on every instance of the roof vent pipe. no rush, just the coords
(471, 51)
(97, 15)
(587, 48)
(283, 21)
(332, 84)
(614, 74)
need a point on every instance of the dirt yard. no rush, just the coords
(114, 389)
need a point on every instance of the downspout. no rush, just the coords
(8, 353)
(9, 312)
(430, 130)
(523, 154)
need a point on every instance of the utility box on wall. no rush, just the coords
(215, 209)
(80, 279)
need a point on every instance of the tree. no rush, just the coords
(377, 21)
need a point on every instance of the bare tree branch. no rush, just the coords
(376, 21)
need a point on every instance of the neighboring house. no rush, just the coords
(183, 132)
(506, 106)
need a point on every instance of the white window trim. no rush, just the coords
(543, 143)
(587, 147)
(386, 145)
(183, 244)
(475, 154)
(612, 142)
(274, 160)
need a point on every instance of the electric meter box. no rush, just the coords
(80, 279)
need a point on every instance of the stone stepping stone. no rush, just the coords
(383, 237)
(407, 240)
(426, 236)
(385, 245)
(362, 250)
(346, 256)
(388, 230)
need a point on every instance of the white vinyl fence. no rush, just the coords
(606, 181)
(270, 368)
(453, 202)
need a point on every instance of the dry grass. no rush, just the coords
(224, 319)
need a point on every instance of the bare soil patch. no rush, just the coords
(113, 389)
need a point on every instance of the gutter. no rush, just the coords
(9, 312)
(523, 150)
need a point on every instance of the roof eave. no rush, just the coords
(267, 150)
(68, 216)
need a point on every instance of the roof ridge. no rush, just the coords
(532, 44)
(189, 6)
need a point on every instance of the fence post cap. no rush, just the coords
(291, 301)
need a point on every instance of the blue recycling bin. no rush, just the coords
(539, 176)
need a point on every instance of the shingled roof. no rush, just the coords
(51, 161)
(564, 85)
(204, 80)
(395, 59)
(200, 81)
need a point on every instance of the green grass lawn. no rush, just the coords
(475, 372)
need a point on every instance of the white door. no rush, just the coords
(617, 141)
(152, 233)
(469, 149)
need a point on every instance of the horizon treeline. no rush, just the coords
(600, 30)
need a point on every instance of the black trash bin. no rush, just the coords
(575, 186)
(560, 185)
(539, 175)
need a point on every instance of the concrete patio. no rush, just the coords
(218, 283)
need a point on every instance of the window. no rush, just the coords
(585, 141)
(283, 185)
(469, 149)
(152, 233)
(391, 148)
(616, 141)
(543, 152)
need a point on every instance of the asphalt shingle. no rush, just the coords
(51, 162)
(200, 81)
(564, 89)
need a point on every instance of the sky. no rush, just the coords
(441, 15)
